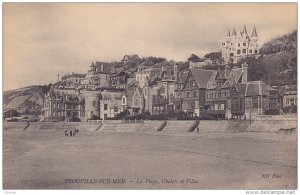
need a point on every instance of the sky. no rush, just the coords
(41, 40)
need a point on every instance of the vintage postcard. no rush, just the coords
(150, 96)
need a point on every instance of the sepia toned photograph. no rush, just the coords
(149, 96)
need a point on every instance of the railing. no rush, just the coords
(194, 126)
(162, 126)
(133, 121)
(94, 121)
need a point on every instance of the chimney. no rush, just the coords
(175, 70)
(244, 72)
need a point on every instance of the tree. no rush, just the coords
(194, 58)
(214, 55)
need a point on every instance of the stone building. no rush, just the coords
(72, 81)
(111, 104)
(289, 96)
(146, 74)
(238, 45)
(252, 98)
(92, 104)
(218, 90)
(117, 78)
(97, 76)
(62, 105)
(190, 98)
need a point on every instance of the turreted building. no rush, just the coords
(238, 45)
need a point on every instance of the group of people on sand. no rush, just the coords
(71, 132)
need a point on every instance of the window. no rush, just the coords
(237, 104)
(179, 95)
(94, 103)
(105, 116)
(244, 44)
(195, 93)
(273, 103)
(123, 100)
(244, 50)
(162, 89)
(255, 51)
(105, 106)
(136, 101)
(231, 55)
(192, 105)
(238, 45)
(242, 104)
(255, 102)
(250, 51)
(216, 107)
(116, 108)
(219, 106)
(238, 51)
(207, 96)
(219, 95)
(188, 94)
(222, 107)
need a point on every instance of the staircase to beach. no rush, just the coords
(193, 126)
(177, 127)
(162, 126)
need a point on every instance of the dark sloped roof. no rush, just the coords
(183, 76)
(221, 75)
(202, 76)
(257, 88)
(72, 75)
(233, 77)
(105, 65)
(153, 81)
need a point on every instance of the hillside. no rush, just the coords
(277, 64)
(27, 100)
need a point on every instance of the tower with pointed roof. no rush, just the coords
(238, 45)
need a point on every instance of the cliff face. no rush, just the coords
(27, 100)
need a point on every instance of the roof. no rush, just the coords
(254, 33)
(241, 87)
(183, 76)
(10, 109)
(234, 32)
(117, 102)
(202, 77)
(154, 81)
(233, 77)
(111, 95)
(73, 75)
(254, 88)
(103, 67)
